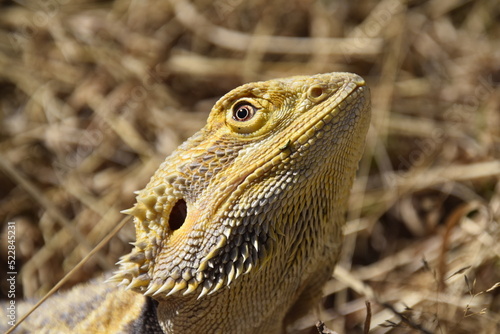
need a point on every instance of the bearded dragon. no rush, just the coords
(238, 229)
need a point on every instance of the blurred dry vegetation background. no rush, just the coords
(94, 95)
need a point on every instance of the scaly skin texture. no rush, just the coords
(239, 229)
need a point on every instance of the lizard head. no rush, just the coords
(213, 210)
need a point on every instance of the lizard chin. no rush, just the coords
(235, 251)
(171, 236)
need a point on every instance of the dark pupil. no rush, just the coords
(242, 113)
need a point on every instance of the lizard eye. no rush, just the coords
(247, 116)
(243, 112)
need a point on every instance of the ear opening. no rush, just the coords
(177, 215)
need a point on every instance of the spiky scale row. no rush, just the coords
(239, 258)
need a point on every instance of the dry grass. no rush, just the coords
(94, 94)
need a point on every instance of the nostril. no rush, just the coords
(315, 91)
(177, 215)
